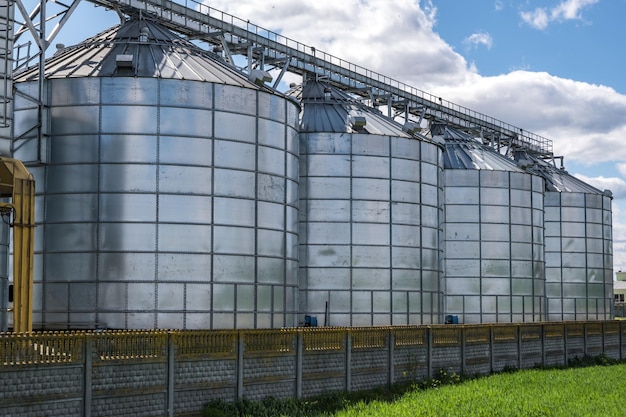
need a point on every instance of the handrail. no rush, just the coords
(196, 19)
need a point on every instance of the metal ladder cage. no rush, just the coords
(7, 10)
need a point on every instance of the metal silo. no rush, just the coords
(168, 187)
(370, 215)
(493, 234)
(579, 254)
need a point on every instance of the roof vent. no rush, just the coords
(144, 34)
(124, 61)
(411, 128)
(327, 93)
(259, 77)
(357, 121)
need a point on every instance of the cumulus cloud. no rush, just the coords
(541, 17)
(397, 39)
(393, 38)
(481, 38)
(582, 119)
(616, 185)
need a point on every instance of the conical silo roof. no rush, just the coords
(328, 109)
(556, 179)
(138, 48)
(464, 152)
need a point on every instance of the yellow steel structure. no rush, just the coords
(18, 184)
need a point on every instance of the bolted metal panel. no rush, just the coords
(162, 203)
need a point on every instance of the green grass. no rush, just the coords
(589, 387)
(592, 391)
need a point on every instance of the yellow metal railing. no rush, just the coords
(41, 348)
(477, 334)
(70, 347)
(199, 343)
(268, 340)
(448, 336)
(316, 339)
(575, 329)
(530, 331)
(124, 345)
(410, 336)
(504, 333)
(364, 338)
(554, 330)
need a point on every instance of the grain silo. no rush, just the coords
(167, 187)
(579, 253)
(370, 215)
(493, 234)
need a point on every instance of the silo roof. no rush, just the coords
(138, 48)
(556, 179)
(462, 151)
(328, 109)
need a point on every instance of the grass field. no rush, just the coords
(593, 391)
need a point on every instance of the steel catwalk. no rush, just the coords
(494, 235)
(370, 215)
(168, 189)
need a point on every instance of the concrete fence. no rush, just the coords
(175, 373)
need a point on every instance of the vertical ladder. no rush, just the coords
(6, 50)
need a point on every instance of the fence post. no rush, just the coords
(603, 337)
(87, 381)
(429, 351)
(299, 363)
(520, 362)
(170, 375)
(462, 350)
(392, 344)
(565, 337)
(241, 344)
(348, 361)
(621, 350)
(543, 345)
(492, 356)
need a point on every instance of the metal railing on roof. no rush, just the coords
(199, 21)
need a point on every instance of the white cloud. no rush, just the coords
(481, 38)
(621, 167)
(538, 18)
(617, 186)
(582, 119)
(585, 121)
(393, 38)
(541, 17)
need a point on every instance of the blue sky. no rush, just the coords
(552, 67)
(499, 37)
(577, 40)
